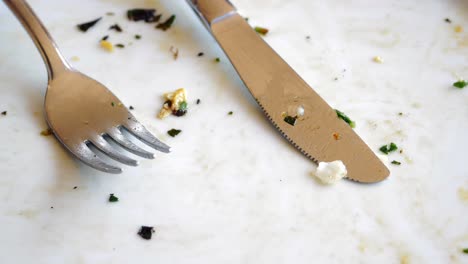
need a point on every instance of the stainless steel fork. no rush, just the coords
(79, 110)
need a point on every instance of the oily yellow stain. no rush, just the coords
(404, 259)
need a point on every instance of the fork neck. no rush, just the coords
(45, 44)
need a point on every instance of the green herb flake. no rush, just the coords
(113, 198)
(290, 120)
(388, 148)
(183, 106)
(4, 113)
(131, 107)
(166, 24)
(85, 26)
(460, 84)
(261, 30)
(465, 250)
(174, 132)
(137, 36)
(396, 162)
(348, 120)
(217, 59)
(121, 46)
(112, 104)
(230, 113)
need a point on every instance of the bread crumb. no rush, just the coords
(107, 45)
(458, 29)
(377, 59)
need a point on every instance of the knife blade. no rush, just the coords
(279, 90)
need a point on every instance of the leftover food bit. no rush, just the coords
(110, 13)
(85, 26)
(230, 113)
(458, 29)
(116, 27)
(217, 59)
(460, 84)
(345, 118)
(146, 232)
(166, 24)
(176, 104)
(113, 198)
(448, 20)
(463, 194)
(147, 15)
(300, 111)
(131, 107)
(106, 37)
(175, 52)
(336, 136)
(4, 113)
(388, 148)
(290, 120)
(75, 58)
(107, 45)
(198, 101)
(137, 36)
(394, 162)
(465, 250)
(261, 30)
(46, 132)
(120, 46)
(174, 132)
(331, 172)
(378, 59)
(200, 54)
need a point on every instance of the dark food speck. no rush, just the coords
(116, 27)
(146, 232)
(85, 26)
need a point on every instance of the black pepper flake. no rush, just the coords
(147, 15)
(166, 24)
(85, 26)
(230, 113)
(180, 112)
(131, 107)
(76, 187)
(448, 20)
(200, 54)
(113, 198)
(388, 148)
(137, 36)
(146, 232)
(112, 104)
(174, 132)
(217, 60)
(307, 37)
(51, 207)
(116, 27)
(198, 101)
(290, 120)
(121, 46)
(396, 162)
(106, 37)
(4, 113)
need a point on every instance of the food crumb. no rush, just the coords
(458, 29)
(119, 45)
(395, 162)
(261, 30)
(465, 250)
(176, 104)
(75, 58)
(146, 232)
(106, 37)
(300, 111)
(110, 13)
(46, 132)
(230, 113)
(174, 132)
(307, 37)
(460, 84)
(116, 27)
(331, 172)
(463, 194)
(4, 113)
(76, 187)
(290, 120)
(113, 198)
(336, 136)
(217, 59)
(175, 52)
(131, 107)
(85, 26)
(377, 59)
(107, 45)
(200, 54)
(448, 20)
(137, 36)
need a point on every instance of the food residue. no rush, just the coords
(110, 13)
(290, 120)
(174, 132)
(404, 259)
(448, 20)
(348, 120)
(131, 107)
(300, 111)
(198, 101)
(119, 45)
(331, 172)
(137, 36)
(106, 37)
(460, 84)
(200, 54)
(85, 26)
(147, 15)
(458, 29)
(4, 113)
(107, 45)
(230, 113)
(261, 30)
(175, 52)
(146, 232)
(116, 27)
(217, 59)
(463, 194)
(113, 198)
(166, 24)
(465, 250)
(75, 58)
(378, 59)
(388, 148)
(46, 132)
(395, 162)
(176, 104)
(336, 136)
(76, 187)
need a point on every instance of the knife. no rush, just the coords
(318, 133)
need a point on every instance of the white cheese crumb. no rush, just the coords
(300, 111)
(176, 97)
(331, 172)
(378, 59)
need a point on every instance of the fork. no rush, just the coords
(80, 111)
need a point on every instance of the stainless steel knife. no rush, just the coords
(318, 133)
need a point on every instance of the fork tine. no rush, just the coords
(105, 147)
(144, 135)
(118, 137)
(90, 158)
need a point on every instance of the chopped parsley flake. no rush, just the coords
(396, 162)
(230, 113)
(460, 84)
(174, 132)
(116, 27)
(46, 132)
(348, 120)
(217, 59)
(388, 148)
(131, 108)
(85, 26)
(113, 198)
(137, 36)
(290, 120)
(146, 232)
(166, 24)
(110, 13)
(106, 37)
(148, 15)
(76, 187)
(448, 20)
(261, 30)
(120, 45)
(112, 104)
(183, 106)
(465, 250)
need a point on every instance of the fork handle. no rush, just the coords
(211, 11)
(45, 44)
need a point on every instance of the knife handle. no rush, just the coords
(212, 11)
